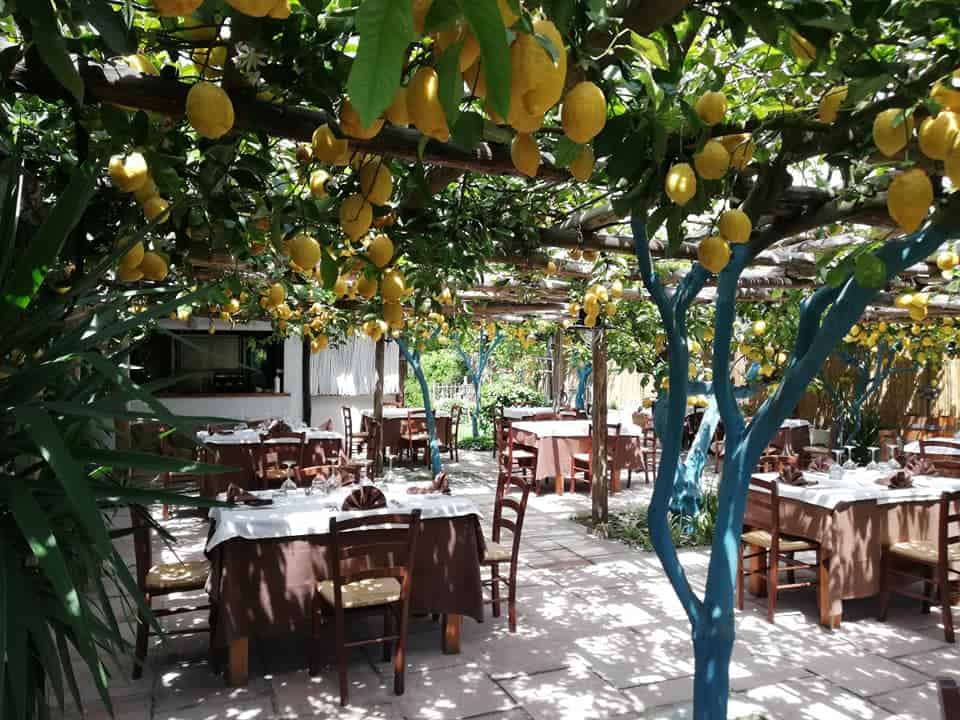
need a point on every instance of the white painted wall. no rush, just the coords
(323, 407)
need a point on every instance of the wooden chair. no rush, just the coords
(353, 441)
(501, 432)
(583, 462)
(372, 568)
(496, 552)
(518, 461)
(157, 580)
(414, 434)
(762, 530)
(349, 474)
(775, 461)
(946, 456)
(649, 454)
(278, 447)
(451, 442)
(367, 464)
(179, 481)
(933, 558)
(949, 694)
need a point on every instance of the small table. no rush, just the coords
(265, 562)
(853, 519)
(557, 441)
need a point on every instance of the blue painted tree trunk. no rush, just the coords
(687, 488)
(826, 317)
(582, 375)
(476, 374)
(413, 361)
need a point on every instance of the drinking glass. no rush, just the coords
(873, 458)
(850, 464)
(892, 462)
(390, 475)
(836, 470)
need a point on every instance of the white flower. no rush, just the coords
(248, 61)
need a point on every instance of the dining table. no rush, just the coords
(395, 417)
(852, 518)
(238, 450)
(266, 560)
(525, 412)
(557, 441)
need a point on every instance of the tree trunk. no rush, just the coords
(713, 648)
(378, 404)
(475, 415)
(599, 419)
(558, 371)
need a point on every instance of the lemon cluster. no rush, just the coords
(130, 174)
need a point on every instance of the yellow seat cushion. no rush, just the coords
(495, 552)
(171, 577)
(924, 551)
(362, 593)
(522, 454)
(762, 538)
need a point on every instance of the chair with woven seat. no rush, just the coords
(649, 454)
(496, 552)
(582, 463)
(157, 580)
(933, 558)
(366, 465)
(414, 435)
(278, 448)
(501, 430)
(517, 461)
(449, 442)
(946, 455)
(353, 441)
(762, 530)
(178, 480)
(327, 468)
(372, 569)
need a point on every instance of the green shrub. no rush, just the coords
(483, 442)
(506, 392)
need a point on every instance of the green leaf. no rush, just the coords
(468, 132)
(763, 20)
(866, 88)
(674, 230)
(442, 15)
(566, 152)
(450, 90)
(51, 46)
(148, 462)
(547, 44)
(385, 28)
(838, 274)
(329, 271)
(113, 29)
(650, 49)
(487, 26)
(22, 283)
(561, 12)
(870, 272)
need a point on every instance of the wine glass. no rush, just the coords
(391, 477)
(850, 464)
(836, 470)
(873, 458)
(892, 462)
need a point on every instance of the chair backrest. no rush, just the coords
(374, 438)
(456, 412)
(508, 463)
(278, 446)
(763, 507)
(518, 508)
(374, 546)
(416, 422)
(142, 525)
(946, 454)
(949, 516)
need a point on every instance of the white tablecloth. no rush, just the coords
(519, 413)
(914, 447)
(252, 437)
(297, 515)
(401, 413)
(795, 423)
(862, 486)
(571, 428)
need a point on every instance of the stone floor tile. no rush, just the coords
(653, 695)
(920, 701)
(944, 662)
(297, 695)
(572, 694)
(867, 674)
(189, 684)
(811, 699)
(456, 692)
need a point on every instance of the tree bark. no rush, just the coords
(378, 404)
(558, 369)
(598, 475)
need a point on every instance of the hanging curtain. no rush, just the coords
(350, 369)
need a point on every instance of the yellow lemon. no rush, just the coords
(320, 342)
(536, 78)
(525, 154)
(280, 10)
(713, 161)
(909, 199)
(146, 191)
(946, 96)
(380, 250)
(304, 250)
(211, 60)
(582, 167)
(903, 301)
(209, 110)
(327, 147)
(917, 313)
(153, 266)
(947, 259)
(133, 256)
(176, 8)
(584, 112)
(393, 314)
(889, 139)
(610, 308)
(550, 269)
(141, 63)
(423, 102)
(392, 286)
(318, 183)
(937, 136)
(128, 173)
(129, 274)
(156, 209)
(253, 8)
(276, 295)
(735, 226)
(830, 104)
(740, 147)
(366, 287)
(759, 327)
(681, 183)
(616, 289)
(802, 49)
(340, 286)
(356, 214)
(713, 253)
(376, 183)
(920, 300)
(469, 51)
(711, 107)
(397, 113)
(350, 122)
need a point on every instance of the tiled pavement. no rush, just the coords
(600, 635)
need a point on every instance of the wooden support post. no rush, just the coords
(558, 369)
(378, 403)
(305, 383)
(238, 668)
(598, 451)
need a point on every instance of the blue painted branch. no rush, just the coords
(582, 375)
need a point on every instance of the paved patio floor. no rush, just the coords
(600, 635)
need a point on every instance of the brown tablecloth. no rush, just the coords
(244, 456)
(554, 453)
(264, 587)
(392, 427)
(853, 536)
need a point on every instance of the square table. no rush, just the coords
(265, 563)
(557, 441)
(393, 419)
(852, 519)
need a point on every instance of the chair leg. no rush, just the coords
(495, 588)
(884, 585)
(791, 576)
(387, 630)
(927, 589)
(773, 566)
(214, 660)
(341, 637)
(629, 477)
(400, 656)
(945, 606)
(143, 634)
(512, 603)
(740, 578)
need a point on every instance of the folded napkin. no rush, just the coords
(898, 479)
(236, 494)
(820, 463)
(327, 425)
(440, 484)
(278, 426)
(919, 465)
(365, 498)
(792, 475)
